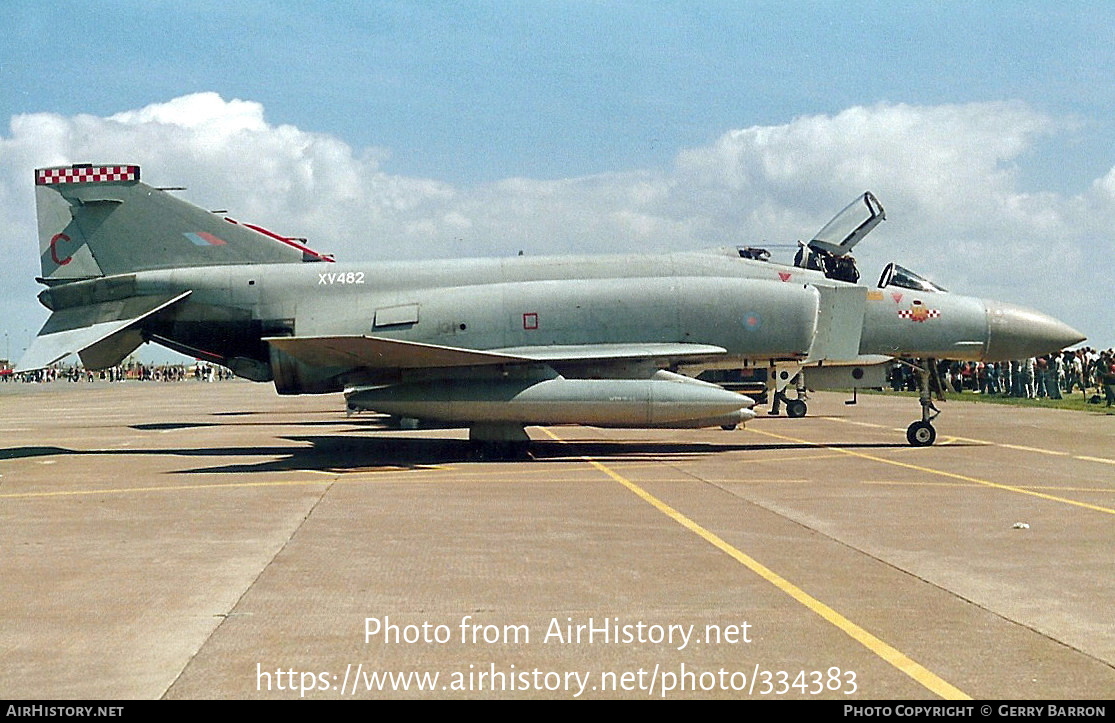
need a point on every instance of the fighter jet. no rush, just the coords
(494, 345)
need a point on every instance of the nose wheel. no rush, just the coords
(921, 434)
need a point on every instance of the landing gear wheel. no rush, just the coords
(796, 408)
(921, 434)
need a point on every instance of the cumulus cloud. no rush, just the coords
(948, 176)
(930, 160)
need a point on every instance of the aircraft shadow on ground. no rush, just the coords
(344, 453)
(351, 453)
(370, 423)
(354, 452)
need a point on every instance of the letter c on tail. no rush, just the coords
(54, 249)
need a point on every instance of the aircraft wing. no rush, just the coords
(103, 334)
(380, 353)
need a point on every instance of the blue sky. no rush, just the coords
(465, 114)
(468, 91)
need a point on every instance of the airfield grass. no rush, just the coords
(1076, 402)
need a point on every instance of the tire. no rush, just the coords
(921, 434)
(796, 408)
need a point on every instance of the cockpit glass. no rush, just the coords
(843, 224)
(895, 275)
(848, 227)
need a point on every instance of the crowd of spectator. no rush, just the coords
(1046, 377)
(132, 371)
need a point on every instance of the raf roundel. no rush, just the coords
(752, 321)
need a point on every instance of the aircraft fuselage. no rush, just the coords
(758, 311)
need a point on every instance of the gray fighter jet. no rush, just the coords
(493, 344)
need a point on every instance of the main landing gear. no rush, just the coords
(499, 442)
(796, 408)
(785, 374)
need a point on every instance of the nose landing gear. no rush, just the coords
(923, 434)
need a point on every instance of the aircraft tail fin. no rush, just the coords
(100, 220)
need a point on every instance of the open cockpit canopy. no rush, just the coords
(848, 227)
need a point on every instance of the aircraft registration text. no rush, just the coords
(349, 277)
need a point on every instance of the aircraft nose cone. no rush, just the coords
(1015, 332)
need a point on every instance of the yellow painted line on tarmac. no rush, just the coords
(760, 460)
(1062, 488)
(1022, 448)
(891, 655)
(1036, 450)
(334, 478)
(169, 488)
(1058, 488)
(397, 474)
(942, 473)
(896, 483)
(185, 488)
(1094, 459)
(858, 424)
